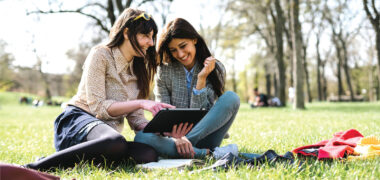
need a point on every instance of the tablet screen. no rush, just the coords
(167, 118)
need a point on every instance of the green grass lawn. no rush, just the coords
(26, 133)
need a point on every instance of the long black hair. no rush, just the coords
(143, 67)
(180, 28)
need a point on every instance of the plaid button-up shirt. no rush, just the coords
(171, 87)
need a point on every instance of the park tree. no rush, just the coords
(320, 68)
(6, 73)
(373, 15)
(371, 64)
(44, 76)
(340, 18)
(266, 19)
(320, 29)
(310, 13)
(230, 45)
(297, 56)
(103, 14)
(279, 21)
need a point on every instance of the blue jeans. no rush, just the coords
(207, 134)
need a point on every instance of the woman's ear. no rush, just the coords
(195, 41)
(125, 33)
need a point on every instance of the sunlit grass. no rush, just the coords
(26, 133)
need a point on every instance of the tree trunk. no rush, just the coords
(275, 84)
(268, 84)
(291, 66)
(324, 83)
(298, 68)
(346, 68)
(309, 97)
(267, 80)
(234, 84)
(290, 45)
(375, 21)
(339, 76)
(377, 88)
(318, 69)
(378, 56)
(339, 66)
(44, 79)
(256, 80)
(246, 93)
(370, 79)
(280, 54)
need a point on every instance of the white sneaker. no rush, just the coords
(219, 152)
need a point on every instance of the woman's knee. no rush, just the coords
(232, 99)
(115, 143)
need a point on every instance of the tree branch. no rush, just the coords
(119, 6)
(110, 12)
(272, 14)
(98, 21)
(95, 4)
(369, 15)
(143, 2)
(374, 8)
(128, 4)
(257, 29)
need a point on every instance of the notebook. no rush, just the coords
(171, 163)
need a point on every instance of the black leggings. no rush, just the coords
(108, 147)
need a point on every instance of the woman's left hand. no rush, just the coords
(180, 131)
(184, 147)
(209, 66)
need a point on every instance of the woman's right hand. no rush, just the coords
(209, 66)
(153, 106)
(184, 147)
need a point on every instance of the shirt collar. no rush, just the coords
(120, 62)
(191, 71)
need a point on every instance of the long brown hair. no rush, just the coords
(143, 67)
(180, 28)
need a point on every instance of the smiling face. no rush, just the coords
(183, 50)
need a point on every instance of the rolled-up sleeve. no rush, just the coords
(205, 99)
(136, 118)
(95, 69)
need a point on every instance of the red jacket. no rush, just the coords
(342, 142)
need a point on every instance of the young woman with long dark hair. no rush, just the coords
(189, 77)
(115, 82)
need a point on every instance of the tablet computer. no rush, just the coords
(166, 118)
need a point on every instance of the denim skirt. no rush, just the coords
(72, 126)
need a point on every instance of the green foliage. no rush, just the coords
(5, 85)
(6, 74)
(26, 133)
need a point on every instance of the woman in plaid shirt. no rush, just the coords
(189, 77)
